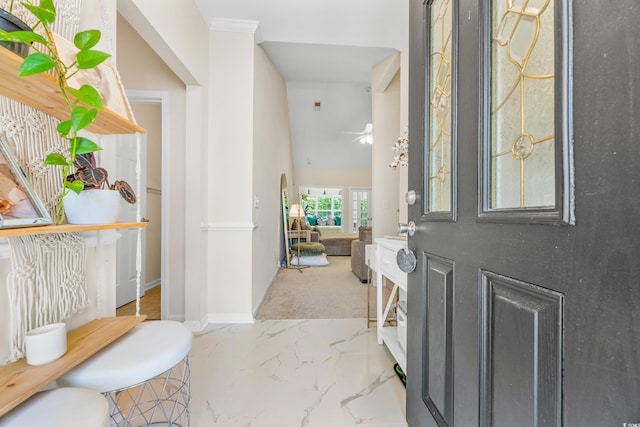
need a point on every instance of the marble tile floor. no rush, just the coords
(294, 373)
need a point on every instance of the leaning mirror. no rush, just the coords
(284, 258)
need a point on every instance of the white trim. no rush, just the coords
(238, 26)
(221, 226)
(197, 326)
(162, 98)
(174, 317)
(214, 318)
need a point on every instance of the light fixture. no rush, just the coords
(367, 134)
(324, 192)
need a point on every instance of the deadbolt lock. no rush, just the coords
(410, 197)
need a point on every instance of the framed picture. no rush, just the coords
(20, 206)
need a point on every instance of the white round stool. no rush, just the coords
(61, 407)
(144, 374)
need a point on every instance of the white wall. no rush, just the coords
(386, 125)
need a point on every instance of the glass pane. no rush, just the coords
(440, 106)
(522, 104)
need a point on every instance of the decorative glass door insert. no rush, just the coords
(527, 153)
(440, 166)
(522, 104)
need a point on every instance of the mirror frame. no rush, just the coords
(285, 224)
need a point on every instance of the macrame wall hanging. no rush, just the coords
(46, 284)
(47, 281)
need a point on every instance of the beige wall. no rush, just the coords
(272, 156)
(142, 69)
(183, 50)
(215, 214)
(185, 53)
(230, 205)
(403, 171)
(386, 125)
(343, 178)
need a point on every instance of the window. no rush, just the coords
(323, 204)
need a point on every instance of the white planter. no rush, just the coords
(92, 207)
(46, 343)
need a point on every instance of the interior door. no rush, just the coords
(360, 202)
(127, 245)
(523, 151)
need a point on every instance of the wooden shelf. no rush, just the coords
(42, 93)
(67, 228)
(19, 381)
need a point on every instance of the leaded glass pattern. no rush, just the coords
(522, 148)
(440, 76)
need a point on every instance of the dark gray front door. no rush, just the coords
(524, 150)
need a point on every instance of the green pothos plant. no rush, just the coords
(78, 169)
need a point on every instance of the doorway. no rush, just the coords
(149, 109)
(359, 202)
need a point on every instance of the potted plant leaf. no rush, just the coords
(77, 165)
(9, 23)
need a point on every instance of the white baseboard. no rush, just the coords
(219, 318)
(196, 326)
(152, 284)
(230, 318)
(175, 317)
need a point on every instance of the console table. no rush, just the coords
(382, 260)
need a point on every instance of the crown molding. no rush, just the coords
(238, 26)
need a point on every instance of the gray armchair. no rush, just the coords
(358, 265)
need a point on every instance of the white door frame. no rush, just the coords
(162, 98)
(369, 219)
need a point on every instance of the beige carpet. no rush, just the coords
(330, 292)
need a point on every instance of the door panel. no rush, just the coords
(438, 340)
(127, 245)
(521, 354)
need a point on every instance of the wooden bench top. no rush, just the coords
(19, 381)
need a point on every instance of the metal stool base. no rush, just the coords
(159, 401)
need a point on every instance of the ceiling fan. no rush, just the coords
(365, 136)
